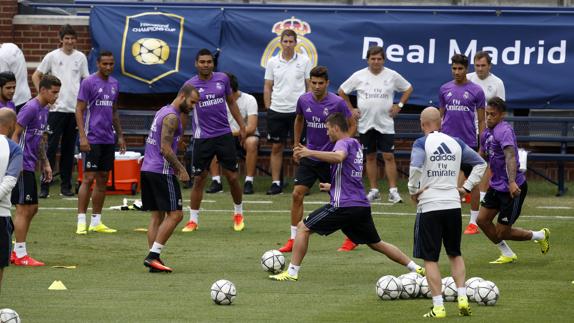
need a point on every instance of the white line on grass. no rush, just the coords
(554, 207)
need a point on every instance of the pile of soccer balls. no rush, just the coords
(412, 285)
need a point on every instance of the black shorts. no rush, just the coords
(433, 227)
(204, 149)
(100, 158)
(160, 192)
(374, 141)
(310, 170)
(26, 189)
(355, 222)
(509, 208)
(279, 126)
(6, 229)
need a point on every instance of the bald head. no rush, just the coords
(430, 120)
(7, 121)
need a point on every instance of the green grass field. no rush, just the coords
(110, 284)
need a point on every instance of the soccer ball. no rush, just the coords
(412, 275)
(470, 286)
(273, 261)
(486, 293)
(410, 287)
(424, 287)
(449, 291)
(388, 287)
(9, 316)
(223, 292)
(150, 51)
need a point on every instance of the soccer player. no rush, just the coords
(10, 168)
(313, 108)
(97, 118)
(508, 186)
(160, 189)
(7, 90)
(461, 103)
(12, 60)
(286, 79)
(212, 136)
(435, 165)
(30, 135)
(70, 66)
(349, 209)
(376, 86)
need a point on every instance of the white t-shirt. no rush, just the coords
(247, 107)
(288, 81)
(12, 59)
(375, 94)
(491, 85)
(70, 69)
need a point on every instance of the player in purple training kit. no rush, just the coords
(461, 104)
(313, 108)
(507, 187)
(349, 210)
(29, 134)
(212, 136)
(97, 118)
(7, 90)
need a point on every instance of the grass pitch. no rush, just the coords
(110, 283)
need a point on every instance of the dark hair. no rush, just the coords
(48, 81)
(497, 103)
(187, 89)
(202, 52)
(67, 30)
(103, 53)
(460, 59)
(375, 50)
(233, 82)
(483, 54)
(288, 33)
(6, 77)
(339, 120)
(320, 71)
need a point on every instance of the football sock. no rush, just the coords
(238, 208)
(293, 270)
(374, 190)
(412, 266)
(96, 219)
(393, 190)
(20, 249)
(537, 235)
(81, 218)
(437, 300)
(293, 231)
(249, 179)
(461, 291)
(216, 178)
(276, 182)
(473, 216)
(156, 247)
(194, 215)
(482, 194)
(505, 249)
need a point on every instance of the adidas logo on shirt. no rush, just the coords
(308, 110)
(442, 153)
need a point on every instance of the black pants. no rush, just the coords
(62, 125)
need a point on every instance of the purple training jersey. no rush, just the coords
(347, 177)
(460, 103)
(210, 113)
(493, 141)
(8, 104)
(100, 96)
(153, 159)
(33, 117)
(315, 114)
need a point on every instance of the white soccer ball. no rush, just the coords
(470, 286)
(424, 288)
(273, 261)
(486, 293)
(388, 287)
(8, 315)
(449, 291)
(410, 287)
(223, 292)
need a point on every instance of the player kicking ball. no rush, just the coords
(349, 209)
(507, 187)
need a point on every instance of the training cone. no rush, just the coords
(57, 285)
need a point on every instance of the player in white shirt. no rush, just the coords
(70, 66)
(12, 59)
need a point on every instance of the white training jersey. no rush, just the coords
(492, 85)
(289, 81)
(12, 59)
(247, 105)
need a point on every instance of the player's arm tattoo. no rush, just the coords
(42, 150)
(510, 159)
(169, 125)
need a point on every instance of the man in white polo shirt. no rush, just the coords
(70, 66)
(12, 59)
(286, 79)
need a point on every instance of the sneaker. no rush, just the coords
(275, 189)
(215, 187)
(421, 271)
(463, 307)
(101, 228)
(27, 261)
(44, 191)
(190, 226)
(505, 260)
(347, 245)
(544, 243)
(395, 198)
(81, 228)
(288, 247)
(66, 192)
(248, 188)
(471, 228)
(373, 195)
(156, 265)
(437, 312)
(284, 276)
(238, 224)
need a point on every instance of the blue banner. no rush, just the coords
(531, 52)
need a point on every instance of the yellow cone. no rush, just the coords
(57, 285)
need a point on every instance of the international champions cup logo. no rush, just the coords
(304, 46)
